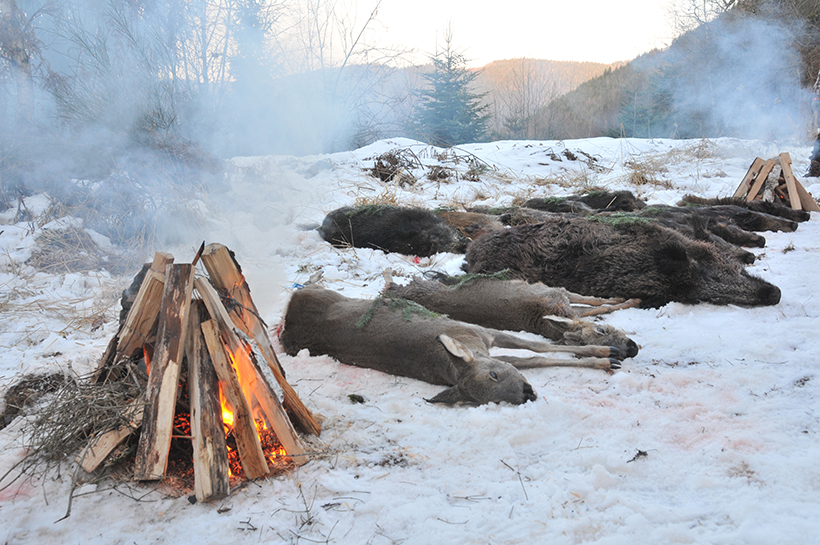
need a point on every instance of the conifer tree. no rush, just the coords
(448, 112)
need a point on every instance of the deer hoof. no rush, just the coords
(615, 353)
(614, 364)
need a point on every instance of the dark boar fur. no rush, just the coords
(700, 229)
(717, 225)
(624, 201)
(560, 205)
(766, 207)
(746, 219)
(403, 230)
(632, 259)
(514, 305)
(399, 340)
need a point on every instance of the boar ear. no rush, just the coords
(701, 228)
(456, 348)
(450, 396)
(671, 258)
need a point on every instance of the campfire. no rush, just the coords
(201, 341)
(773, 180)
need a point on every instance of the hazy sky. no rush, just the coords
(576, 30)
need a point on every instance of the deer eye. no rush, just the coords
(493, 376)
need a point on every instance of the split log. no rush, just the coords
(210, 451)
(246, 367)
(751, 174)
(247, 440)
(791, 183)
(226, 275)
(102, 444)
(163, 379)
(760, 179)
(141, 319)
(806, 200)
(144, 314)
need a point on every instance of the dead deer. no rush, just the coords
(399, 337)
(518, 306)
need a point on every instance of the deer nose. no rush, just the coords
(529, 393)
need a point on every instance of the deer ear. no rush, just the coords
(450, 396)
(558, 319)
(456, 348)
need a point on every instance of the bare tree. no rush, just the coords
(690, 14)
(520, 96)
(343, 76)
(18, 47)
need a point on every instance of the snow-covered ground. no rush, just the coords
(710, 435)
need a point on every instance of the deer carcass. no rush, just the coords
(398, 337)
(518, 306)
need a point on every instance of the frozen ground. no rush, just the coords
(709, 435)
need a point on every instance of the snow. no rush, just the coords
(709, 435)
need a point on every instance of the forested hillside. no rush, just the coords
(518, 88)
(747, 74)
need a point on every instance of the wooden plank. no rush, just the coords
(140, 321)
(786, 165)
(102, 444)
(163, 380)
(746, 183)
(246, 367)
(805, 198)
(144, 313)
(210, 451)
(226, 275)
(244, 429)
(760, 179)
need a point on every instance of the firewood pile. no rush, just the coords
(773, 180)
(206, 330)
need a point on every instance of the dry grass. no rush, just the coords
(63, 425)
(647, 173)
(72, 249)
(701, 150)
(387, 196)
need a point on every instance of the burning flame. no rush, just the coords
(227, 411)
(271, 447)
(147, 359)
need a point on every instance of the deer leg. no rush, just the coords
(504, 340)
(630, 303)
(592, 301)
(540, 361)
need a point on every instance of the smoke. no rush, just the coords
(139, 101)
(736, 76)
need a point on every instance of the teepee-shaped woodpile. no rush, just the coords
(211, 325)
(774, 180)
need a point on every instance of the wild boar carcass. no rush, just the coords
(624, 201)
(399, 229)
(636, 258)
(515, 305)
(395, 337)
(767, 207)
